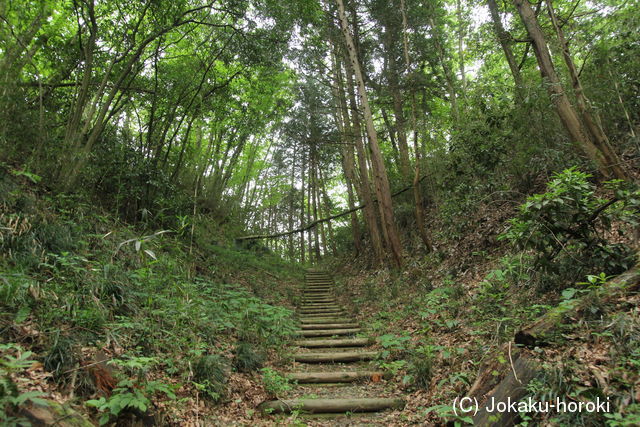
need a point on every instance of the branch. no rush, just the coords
(74, 84)
(319, 221)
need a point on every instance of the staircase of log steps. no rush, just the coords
(332, 368)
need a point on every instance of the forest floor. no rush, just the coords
(81, 288)
(443, 317)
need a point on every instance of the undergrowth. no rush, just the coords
(77, 282)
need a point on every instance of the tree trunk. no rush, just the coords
(595, 130)
(463, 77)
(505, 42)
(564, 108)
(302, 204)
(327, 210)
(290, 214)
(384, 196)
(314, 200)
(342, 120)
(365, 184)
(417, 195)
(448, 75)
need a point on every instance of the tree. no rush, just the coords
(602, 156)
(380, 173)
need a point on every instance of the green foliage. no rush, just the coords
(274, 383)
(447, 413)
(392, 344)
(630, 417)
(210, 373)
(247, 358)
(10, 397)
(563, 229)
(421, 367)
(61, 356)
(131, 394)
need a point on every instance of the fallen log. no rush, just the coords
(336, 377)
(324, 406)
(508, 371)
(503, 379)
(538, 332)
(347, 356)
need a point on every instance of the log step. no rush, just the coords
(324, 406)
(320, 320)
(319, 300)
(335, 377)
(320, 310)
(345, 356)
(321, 326)
(329, 332)
(319, 305)
(342, 342)
(322, 315)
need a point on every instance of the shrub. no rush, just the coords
(133, 393)
(210, 373)
(421, 367)
(10, 397)
(247, 358)
(564, 229)
(274, 383)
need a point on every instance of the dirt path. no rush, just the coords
(332, 361)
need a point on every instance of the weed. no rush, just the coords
(561, 228)
(10, 397)
(210, 373)
(421, 367)
(274, 383)
(247, 358)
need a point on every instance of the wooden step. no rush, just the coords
(322, 315)
(335, 377)
(324, 406)
(330, 326)
(329, 332)
(320, 307)
(320, 303)
(320, 310)
(336, 314)
(344, 356)
(318, 320)
(340, 342)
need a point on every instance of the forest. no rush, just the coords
(319, 212)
